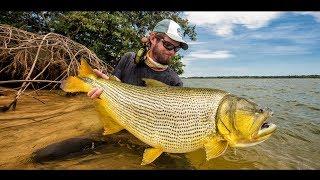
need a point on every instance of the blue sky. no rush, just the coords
(253, 43)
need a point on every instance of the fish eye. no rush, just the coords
(260, 110)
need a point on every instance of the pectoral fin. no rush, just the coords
(109, 124)
(215, 147)
(150, 155)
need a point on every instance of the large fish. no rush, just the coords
(174, 119)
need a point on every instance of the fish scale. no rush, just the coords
(157, 119)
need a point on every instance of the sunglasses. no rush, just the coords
(170, 46)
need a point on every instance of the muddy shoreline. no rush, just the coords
(33, 129)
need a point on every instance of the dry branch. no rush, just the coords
(34, 58)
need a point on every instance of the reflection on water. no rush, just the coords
(294, 145)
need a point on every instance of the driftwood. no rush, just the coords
(40, 61)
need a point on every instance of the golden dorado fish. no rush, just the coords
(174, 119)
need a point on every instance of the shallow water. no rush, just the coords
(294, 145)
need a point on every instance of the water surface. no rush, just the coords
(294, 145)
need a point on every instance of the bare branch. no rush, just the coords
(17, 81)
(32, 58)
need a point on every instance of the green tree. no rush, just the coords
(108, 34)
(32, 21)
(176, 64)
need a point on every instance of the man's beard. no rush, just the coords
(158, 56)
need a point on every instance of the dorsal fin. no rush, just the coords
(85, 70)
(154, 83)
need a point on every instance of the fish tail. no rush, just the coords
(76, 83)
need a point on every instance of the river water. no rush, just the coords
(294, 145)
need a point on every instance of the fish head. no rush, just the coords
(242, 122)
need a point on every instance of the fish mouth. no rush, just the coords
(266, 130)
(266, 127)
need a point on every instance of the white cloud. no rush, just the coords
(207, 55)
(282, 50)
(223, 23)
(316, 15)
(214, 71)
(196, 43)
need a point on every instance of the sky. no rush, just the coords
(253, 43)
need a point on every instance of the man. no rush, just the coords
(165, 41)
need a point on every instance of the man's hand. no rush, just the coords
(96, 92)
(100, 74)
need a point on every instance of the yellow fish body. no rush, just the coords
(174, 119)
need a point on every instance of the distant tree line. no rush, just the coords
(108, 34)
(235, 77)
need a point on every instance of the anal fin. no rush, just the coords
(150, 155)
(110, 126)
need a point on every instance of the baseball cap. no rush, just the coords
(171, 29)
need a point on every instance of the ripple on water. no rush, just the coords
(291, 101)
(310, 127)
(297, 136)
(281, 90)
(315, 92)
(280, 138)
(307, 106)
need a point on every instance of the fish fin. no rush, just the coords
(114, 78)
(85, 70)
(74, 84)
(150, 155)
(154, 83)
(109, 124)
(215, 147)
